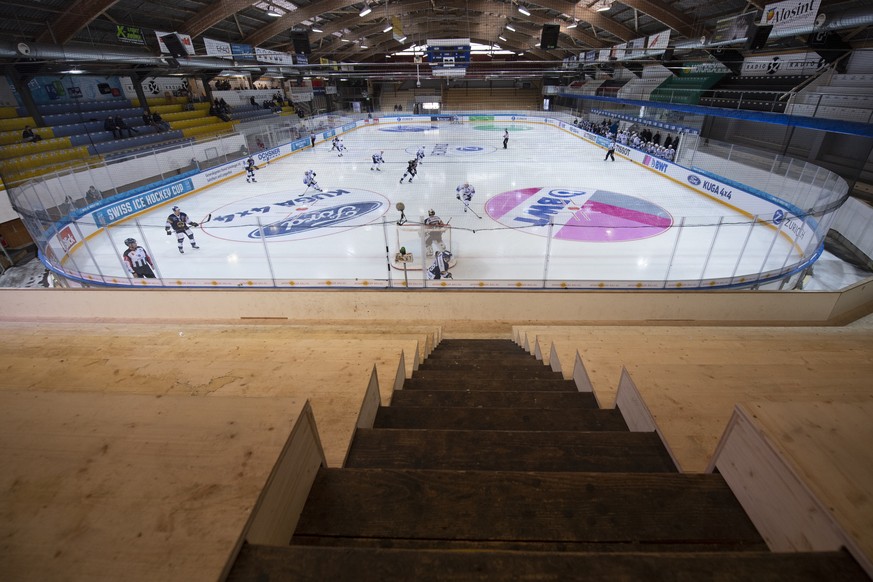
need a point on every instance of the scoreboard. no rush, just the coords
(448, 56)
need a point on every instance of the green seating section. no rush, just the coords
(685, 89)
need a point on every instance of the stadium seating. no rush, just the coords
(753, 92)
(685, 89)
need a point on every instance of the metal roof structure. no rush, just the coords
(44, 35)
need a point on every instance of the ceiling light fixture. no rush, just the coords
(401, 39)
(508, 27)
(501, 38)
(388, 29)
(574, 25)
(315, 26)
(365, 11)
(271, 11)
(602, 5)
(523, 10)
(74, 71)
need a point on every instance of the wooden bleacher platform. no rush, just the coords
(75, 351)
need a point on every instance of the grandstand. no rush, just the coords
(248, 427)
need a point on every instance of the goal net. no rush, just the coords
(415, 245)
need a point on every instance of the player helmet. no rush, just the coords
(447, 255)
(431, 212)
(175, 208)
(130, 241)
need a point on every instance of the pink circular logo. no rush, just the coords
(579, 215)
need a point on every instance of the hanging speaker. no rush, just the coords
(549, 38)
(174, 45)
(301, 43)
(757, 35)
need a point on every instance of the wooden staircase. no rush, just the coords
(489, 466)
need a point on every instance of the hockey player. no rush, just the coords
(309, 180)
(505, 138)
(340, 147)
(411, 170)
(433, 232)
(377, 161)
(440, 267)
(178, 222)
(419, 155)
(250, 170)
(610, 153)
(137, 260)
(465, 194)
(334, 143)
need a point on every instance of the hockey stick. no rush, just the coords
(204, 221)
(473, 211)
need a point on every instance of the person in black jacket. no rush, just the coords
(122, 126)
(29, 136)
(109, 125)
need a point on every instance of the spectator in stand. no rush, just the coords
(29, 136)
(121, 125)
(147, 118)
(252, 101)
(93, 194)
(217, 112)
(159, 122)
(109, 125)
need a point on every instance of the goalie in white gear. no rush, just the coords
(433, 232)
(465, 194)
(309, 180)
(440, 267)
(419, 155)
(377, 161)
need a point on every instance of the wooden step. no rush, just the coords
(426, 417)
(479, 344)
(345, 564)
(452, 381)
(518, 510)
(512, 350)
(493, 399)
(486, 372)
(441, 362)
(509, 451)
(466, 363)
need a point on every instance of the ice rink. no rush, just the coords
(551, 210)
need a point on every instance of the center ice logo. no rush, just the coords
(289, 217)
(316, 219)
(446, 149)
(408, 128)
(580, 215)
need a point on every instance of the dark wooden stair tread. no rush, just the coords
(425, 417)
(345, 564)
(441, 382)
(512, 379)
(423, 506)
(508, 451)
(493, 398)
